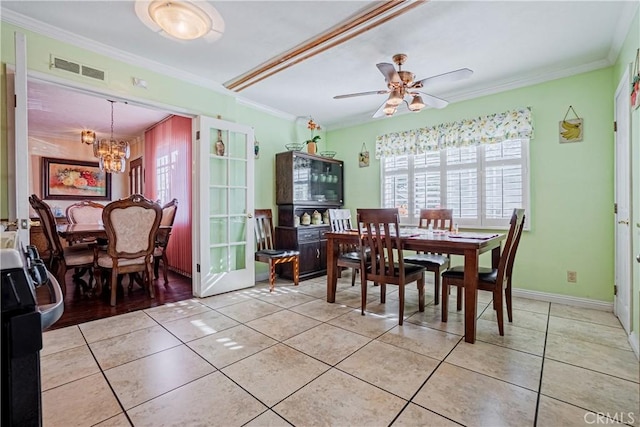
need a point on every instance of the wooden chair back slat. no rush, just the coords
(264, 229)
(441, 219)
(340, 219)
(379, 229)
(508, 255)
(266, 250)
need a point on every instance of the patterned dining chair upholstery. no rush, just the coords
(131, 225)
(85, 212)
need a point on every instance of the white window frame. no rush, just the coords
(409, 217)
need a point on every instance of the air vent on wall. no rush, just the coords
(76, 68)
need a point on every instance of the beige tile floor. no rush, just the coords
(254, 358)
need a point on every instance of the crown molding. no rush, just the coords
(264, 108)
(64, 36)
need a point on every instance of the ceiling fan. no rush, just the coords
(401, 84)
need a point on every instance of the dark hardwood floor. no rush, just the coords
(80, 307)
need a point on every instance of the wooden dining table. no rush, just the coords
(469, 245)
(78, 232)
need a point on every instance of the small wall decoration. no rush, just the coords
(256, 148)
(219, 144)
(571, 130)
(635, 82)
(74, 180)
(363, 157)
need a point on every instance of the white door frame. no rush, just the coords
(622, 192)
(19, 174)
(19, 151)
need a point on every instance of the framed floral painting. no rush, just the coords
(74, 180)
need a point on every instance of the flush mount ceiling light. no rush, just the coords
(181, 19)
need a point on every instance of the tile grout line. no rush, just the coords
(113, 392)
(544, 352)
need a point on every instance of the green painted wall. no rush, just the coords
(571, 184)
(625, 59)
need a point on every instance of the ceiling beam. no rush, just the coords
(358, 24)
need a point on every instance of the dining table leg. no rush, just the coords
(470, 294)
(332, 267)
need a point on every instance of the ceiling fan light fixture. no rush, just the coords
(395, 98)
(88, 137)
(181, 19)
(417, 103)
(389, 109)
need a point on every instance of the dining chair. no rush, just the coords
(131, 225)
(62, 257)
(349, 255)
(85, 212)
(437, 219)
(380, 233)
(169, 211)
(266, 248)
(495, 280)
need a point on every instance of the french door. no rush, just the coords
(223, 207)
(623, 253)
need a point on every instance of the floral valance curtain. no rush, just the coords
(482, 130)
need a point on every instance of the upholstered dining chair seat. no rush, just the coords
(436, 259)
(105, 261)
(354, 256)
(79, 255)
(275, 253)
(485, 274)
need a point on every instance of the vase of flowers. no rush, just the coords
(313, 141)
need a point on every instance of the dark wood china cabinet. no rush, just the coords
(306, 184)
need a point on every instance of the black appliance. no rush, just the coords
(23, 321)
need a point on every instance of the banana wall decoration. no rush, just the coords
(571, 130)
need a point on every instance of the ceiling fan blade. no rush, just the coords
(379, 112)
(351, 95)
(433, 101)
(451, 76)
(389, 72)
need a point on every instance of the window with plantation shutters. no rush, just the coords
(481, 183)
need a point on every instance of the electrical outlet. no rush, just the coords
(572, 277)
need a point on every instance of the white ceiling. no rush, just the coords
(507, 44)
